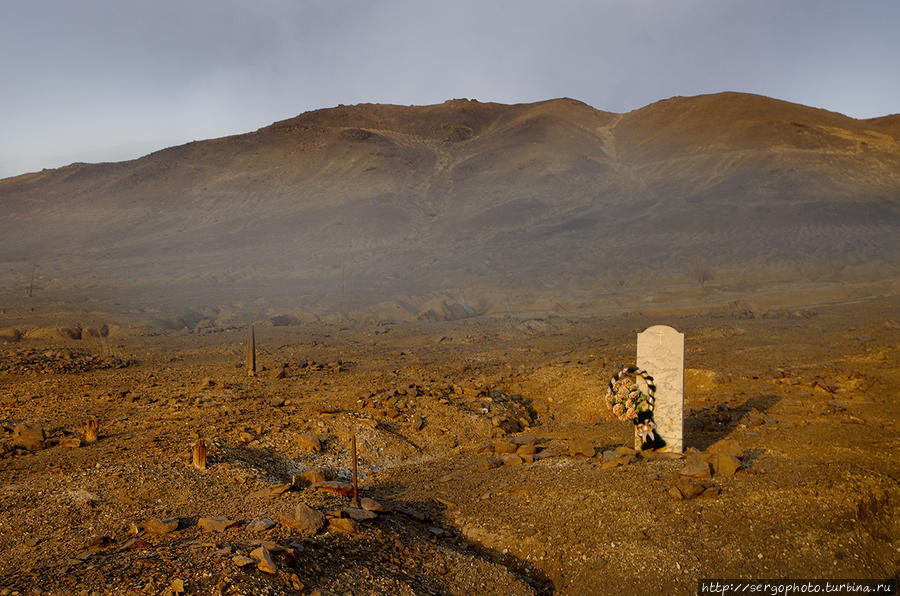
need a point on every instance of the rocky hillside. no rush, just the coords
(360, 204)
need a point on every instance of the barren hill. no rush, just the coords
(356, 205)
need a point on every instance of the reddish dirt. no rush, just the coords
(809, 399)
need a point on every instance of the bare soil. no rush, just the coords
(809, 399)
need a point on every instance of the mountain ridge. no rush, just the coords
(481, 198)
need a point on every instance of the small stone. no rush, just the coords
(487, 463)
(523, 440)
(177, 586)
(418, 423)
(502, 447)
(315, 475)
(446, 503)
(690, 489)
(260, 524)
(626, 450)
(412, 513)
(342, 524)
(527, 449)
(725, 465)
(245, 437)
(29, 436)
(695, 469)
(307, 520)
(710, 493)
(71, 442)
(371, 504)
(241, 560)
(675, 494)
(216, 524)
(582, 447)
(308, 442)
(160, 526)
(264, 561)
(276, 402)
(359, 514)
(727, 447)
(279, 489)
(135, 544)
(512, 460)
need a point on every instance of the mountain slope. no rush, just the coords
(477, 197)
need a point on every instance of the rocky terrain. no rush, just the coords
(450, 287)
(488, 462)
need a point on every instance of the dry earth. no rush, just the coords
(485, 440)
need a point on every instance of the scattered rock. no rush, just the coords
(359, 514)
(135, 544)
(158, 526)
(727, 447)
(316, 475)
(279, 489)
(512, 460)
(28, 435)
(487, 463)
(371, 504)
(504, 447)
(696, 469)
(583, 447)
(241, 560)
(307, 520)
(710, 492)
(526, 449)
(264, 561)
(412, 513)
(689, 489)
(342, 524)
(216, 524)
(309, 442)
(260, 524)
(725, 465)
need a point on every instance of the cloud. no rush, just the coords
(95, 74)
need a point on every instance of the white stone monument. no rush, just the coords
(660, 351)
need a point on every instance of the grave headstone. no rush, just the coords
(660, 351)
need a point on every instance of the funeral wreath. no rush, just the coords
(628, 403)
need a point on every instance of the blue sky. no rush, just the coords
(107, 80)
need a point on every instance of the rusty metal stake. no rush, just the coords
(199, 454)
(91, 431)
(355, 502)
(251, 353)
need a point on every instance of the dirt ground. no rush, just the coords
(485, 441)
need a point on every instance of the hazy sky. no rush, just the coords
(98, 80)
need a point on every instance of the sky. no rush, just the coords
(109, 80)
